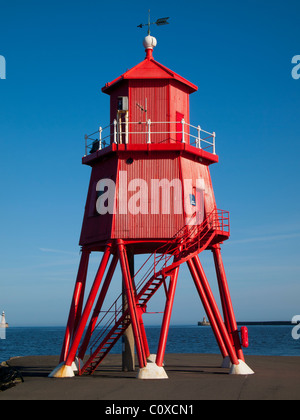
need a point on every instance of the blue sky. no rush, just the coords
(58, 56)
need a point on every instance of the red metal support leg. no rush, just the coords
(214, 307)
(98, 307)
(88, 306)
(224, 291)
(80, 303)
(76, 305)
(167, 317)
(224, 306)
(131, 300)
(207, 308)
(143, 331)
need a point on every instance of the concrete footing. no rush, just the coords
(62, 371)
(152, 371)
(241, 369)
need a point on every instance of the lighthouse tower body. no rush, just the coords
(151, 193)
(150, 162)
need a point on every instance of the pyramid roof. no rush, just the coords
(149, 69)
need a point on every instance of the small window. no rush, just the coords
(192, 199)
(123, 103)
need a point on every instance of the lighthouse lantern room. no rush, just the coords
(150, 193)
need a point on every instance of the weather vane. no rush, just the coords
(159, 22)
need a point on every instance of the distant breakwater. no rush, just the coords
(265, 323)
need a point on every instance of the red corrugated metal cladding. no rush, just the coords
(97, 227)
(148, 99)
(152, 196)
(200, 175)
(153, 188)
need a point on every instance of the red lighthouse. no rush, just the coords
(150, 193)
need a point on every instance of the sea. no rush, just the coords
(266, 340)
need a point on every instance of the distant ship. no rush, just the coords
(3, 323)
(204, 322)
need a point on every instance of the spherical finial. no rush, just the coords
(149, 42)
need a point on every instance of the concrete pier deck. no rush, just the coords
(192, 377)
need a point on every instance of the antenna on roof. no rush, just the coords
(158, 22)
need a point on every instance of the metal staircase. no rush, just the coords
(186, 243)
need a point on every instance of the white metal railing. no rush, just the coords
(150, 132)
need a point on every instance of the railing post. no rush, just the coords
(182, 122)
(149, 131)
(100, 138)
(115, 131)
(214, 143)
(126, 127)
(199, 136)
